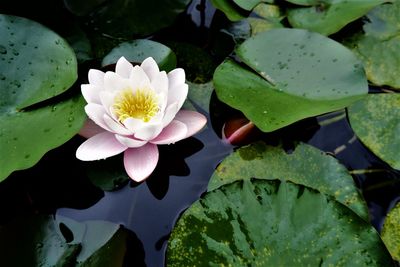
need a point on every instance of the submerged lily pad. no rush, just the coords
(378, 46)
(139, 50)
(376, 121)
(297, 74)
(42, 241)
(295, 226)
(306, 165)
(328, 16)
(37, 65)
(391, 232)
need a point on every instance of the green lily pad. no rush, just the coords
(306, 165)
(376, 120)
(295, 226)
(271, 17)
(200, 94)
(391, 232)
(232, 11)
(139, 50)
(41, 241)
(299, 74)
(37, 65)
(328, 16)
(378, 46)
(248, 4)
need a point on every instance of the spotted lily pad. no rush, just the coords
(306, 165)
(391, 232)
(296, 74)
(376, 121)
(139, 50)
(328, 16)
(378, 46)
(42, 241)
(37, 65)
(295, 226)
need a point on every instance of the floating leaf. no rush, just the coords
(328, 16)
(306, 165)
(379, 45)
(139, 50)
(268, 223)
(231, 10)
(38, 65)
(376, 120)
(391, 232)
(41, 241)
(200, 94)
(248, 4)
(271, 17)
(299, 74)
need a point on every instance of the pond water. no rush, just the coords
(59, 183)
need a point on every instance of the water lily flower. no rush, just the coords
(132, 110)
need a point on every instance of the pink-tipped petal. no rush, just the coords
(160, 82)
(96, 77)
(114, 126)
(138, 78)
(90, 129)
(176, 77)
(133, 124)
(141, 162)
(174, 132)
(194, 121)
(96, 112)
(91, 93)
(123, 68)
(170, 113)
(178, 94)
(148, 131)
(130, 142)
(149, 65)
(100, 146)
(113, 82)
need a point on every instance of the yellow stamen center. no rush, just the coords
(141, 104)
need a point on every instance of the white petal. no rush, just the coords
(174, 132)
(133, 124)
(170, 113)
(138, 78)
(90, 129)
(194, 121)
(178, 94)
(150, 66)
(91, 93)
(176, 77)
(96, 77)
(160, 82)
(114, 82)
(123, 68)
(115, 127)
(140, 162)
(148, 131)
(130, 142)
(96, 113)
(107, 100)
(100, 146)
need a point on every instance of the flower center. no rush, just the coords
(141, 104)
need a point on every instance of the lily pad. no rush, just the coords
(248, 4)
(306, 165)
(220, 229)
(271, 17)
(232, 11)
(298, 74)
(200, 94)
(328, 16)
(37, 65)
(42, 241)
(391, 232)
(139, 50)
(378, 46)
(376, 121)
